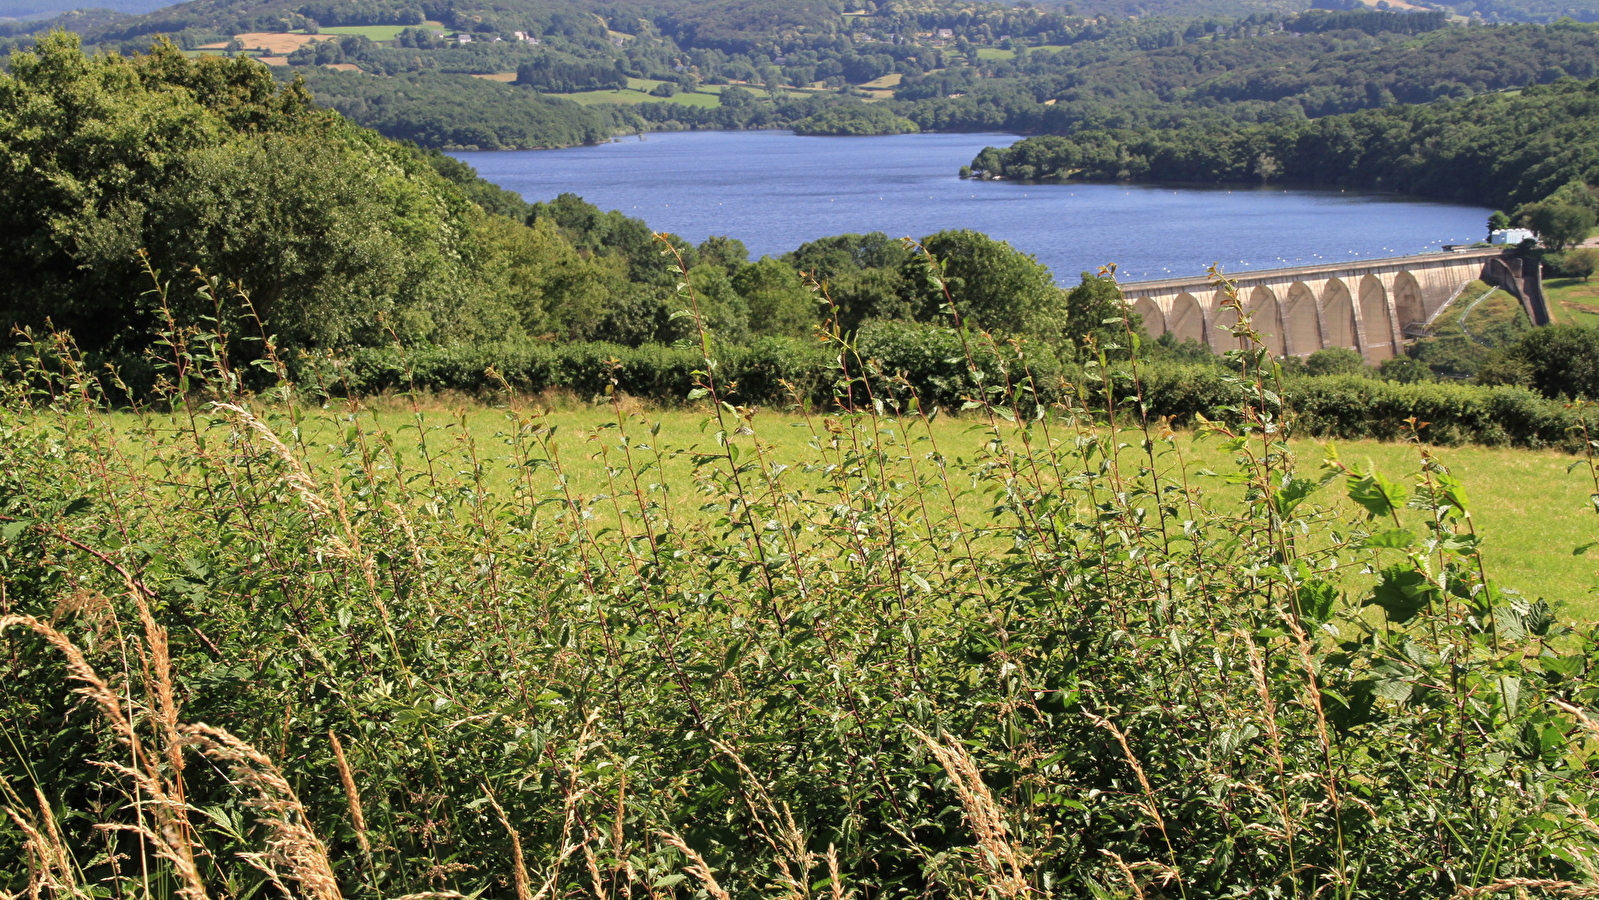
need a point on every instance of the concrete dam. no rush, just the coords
(1372, 306)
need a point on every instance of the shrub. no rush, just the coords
(1335, 361)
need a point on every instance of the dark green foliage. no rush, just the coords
(461, 112)
(855, 120)
(984, 282)
(1404, 370)
(339, 236)
(1560, 360)
(1335, 361)
(1097, 319)
(1503, 149)
(555, 74)
(1559, 225)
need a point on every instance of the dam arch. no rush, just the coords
(1376, 325)
(1153, 316)
(1338, 316)
(1301, 320)
(1265, 313)
(1187, 320)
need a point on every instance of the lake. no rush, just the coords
(775, 190)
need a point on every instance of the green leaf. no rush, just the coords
(1402, 593)
(1379, 496)
(1294, 493)
(13, 530)
(1395, 539)
(1539, 617)
(1510, 693)
(1316, 599)
(1392, 689)
(1561, 665)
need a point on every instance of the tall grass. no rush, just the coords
(240, 665)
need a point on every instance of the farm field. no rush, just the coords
(371, 32)
(997, 53)
(640, 94)
(1531, 511)
(270, 43)
(1573, 301)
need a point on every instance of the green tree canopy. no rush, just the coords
(993, 285)
(1094, 314)
(340, 236)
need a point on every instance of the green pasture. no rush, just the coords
(638, 92)
(1573, 301)
(371, 32)
(997, 53)
(1531, 512)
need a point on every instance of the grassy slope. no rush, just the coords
(1573, 301)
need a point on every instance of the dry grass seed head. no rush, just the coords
(171, 836)
(998, 855)
(697, 866)
(291, 844)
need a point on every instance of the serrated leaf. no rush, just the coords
(1509, 693)
(1402, 593)
(1316, 599)
(1392, 689)
(1376, 494)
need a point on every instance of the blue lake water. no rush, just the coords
(775, 190)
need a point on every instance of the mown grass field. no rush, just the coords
(997, 53)
(1532, 511)
(1573, 301)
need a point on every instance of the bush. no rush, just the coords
(1335, 361)
(1561, 360)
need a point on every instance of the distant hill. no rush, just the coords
(46, 9)
(1540, 11)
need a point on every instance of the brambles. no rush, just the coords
(1046, 661)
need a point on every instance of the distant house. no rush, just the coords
(946, 32)
(1510, 236)
(463, 39)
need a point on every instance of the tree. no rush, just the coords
(1097, 318)
(1498, 221)
(1560, 360)
(778, 303)
(339, 236)
(1580, 263)
(993, 285)
(1559, 225)
(727, 252)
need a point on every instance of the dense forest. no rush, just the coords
(1500, 149)
(941, 66)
